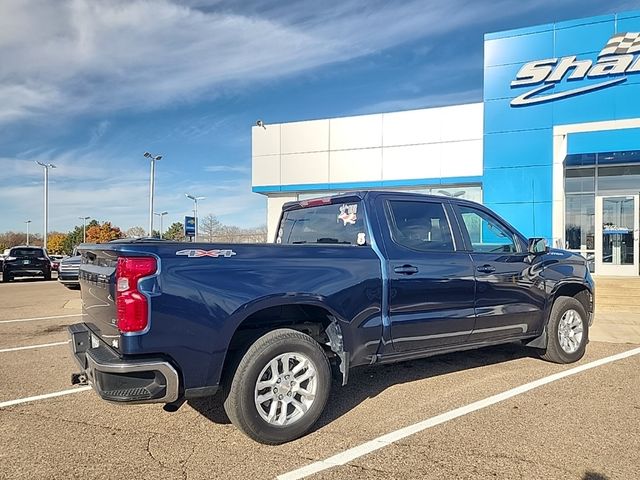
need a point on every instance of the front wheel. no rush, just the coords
(567, 331)
(280, 387)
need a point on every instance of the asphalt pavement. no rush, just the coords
(583, 426)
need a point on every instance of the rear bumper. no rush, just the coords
(122, 380)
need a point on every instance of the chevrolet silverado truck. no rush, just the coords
(355, 279)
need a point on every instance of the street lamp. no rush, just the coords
(46, 167)
(27, 222)
(161, 215)
(84, 228)
(195, 211)
(154, 159)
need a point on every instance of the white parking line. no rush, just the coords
(29, 347)
(18, 401)
(40, 318)
(356, 452)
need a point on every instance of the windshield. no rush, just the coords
(340, 223)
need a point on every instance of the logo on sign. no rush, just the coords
(197, 253)
(617, 59)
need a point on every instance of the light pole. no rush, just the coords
(195, 211)
(84, 228)
(154, 159)
(161, 215)
(27, 222)
(46, 167)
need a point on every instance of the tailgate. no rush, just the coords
(97, 280)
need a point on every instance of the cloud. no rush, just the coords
(76, 56)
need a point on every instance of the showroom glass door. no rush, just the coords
(617, 235)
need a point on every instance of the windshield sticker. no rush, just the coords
(348, 214)
(362, 239)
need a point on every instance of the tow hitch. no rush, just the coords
(79, 379)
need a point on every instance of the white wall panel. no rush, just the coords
(305, 168)
(412, 127)
(355, 165)
(364, 131)
(414, 161)
(311, 136)
(462, 122)
(265, 141)
(265, 170)
(461, 159)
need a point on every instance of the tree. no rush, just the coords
(175, 232)
(75, 237)
(55, 242)
(136, 232)
(103, 233)
(209, 227)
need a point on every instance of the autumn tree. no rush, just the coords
(103, 233)
(75, 237)
(55, 242)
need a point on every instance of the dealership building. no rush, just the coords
(554, 147)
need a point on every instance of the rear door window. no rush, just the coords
(420, 226)
(337, 224)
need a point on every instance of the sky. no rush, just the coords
(90, 85)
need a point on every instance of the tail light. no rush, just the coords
(131, 305)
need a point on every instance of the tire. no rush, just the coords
(6, 278)
(567, 315)
(284, 347)
(47, 276)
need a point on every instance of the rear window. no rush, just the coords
(26, 252)
(338, 224)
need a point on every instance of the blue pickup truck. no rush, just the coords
(355, 279)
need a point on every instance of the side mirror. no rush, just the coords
(537, 246)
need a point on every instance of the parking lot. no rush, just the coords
(584, 425)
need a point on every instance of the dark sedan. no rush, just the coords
(26, 262)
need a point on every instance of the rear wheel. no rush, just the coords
(280, 387)
(6, 278)
(567, 331)
(47, 275)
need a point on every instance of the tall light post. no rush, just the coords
(84, 228)
(46, 167)
(154, 159)
(161, 215)
(195, 211)
(27, 222)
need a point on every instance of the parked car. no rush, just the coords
(25, 261)
(68, 272)
(357, 279)
(55, 261)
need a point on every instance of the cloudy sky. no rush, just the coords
(90, 85)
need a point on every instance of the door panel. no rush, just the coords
(431, 300)
(510, 296)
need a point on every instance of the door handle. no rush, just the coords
(406, 269)
(486, 269)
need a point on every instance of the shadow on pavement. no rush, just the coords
(368, 382)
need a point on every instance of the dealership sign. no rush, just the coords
(189, 226)
(616, 60)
